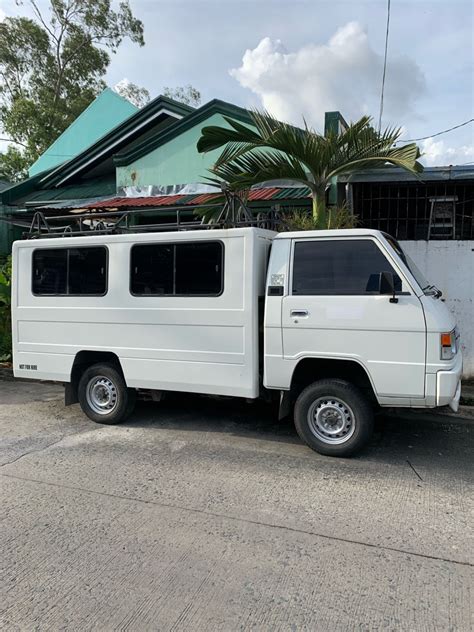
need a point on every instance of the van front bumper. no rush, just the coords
(448, 385)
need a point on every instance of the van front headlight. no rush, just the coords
(448, 344)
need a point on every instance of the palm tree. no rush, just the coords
(273, 150)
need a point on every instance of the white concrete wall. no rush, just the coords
(450, 266)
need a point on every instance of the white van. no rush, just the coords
(333, 323)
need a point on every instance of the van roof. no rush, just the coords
(343, 232)
(136, 237)
(183, 235)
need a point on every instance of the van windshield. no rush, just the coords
(410, 264)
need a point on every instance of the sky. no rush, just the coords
(300, 58)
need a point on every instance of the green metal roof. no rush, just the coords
(99, 187)
(29, 191)
(216, 106)
(104, 113)
(117, 137)
(20, 189)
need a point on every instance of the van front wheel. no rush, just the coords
(333, 417)
(104, 396)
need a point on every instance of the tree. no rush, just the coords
(278, 151)
(52, 67)
(13, 163)
(184, 94)
(140, 96)
(133, 93)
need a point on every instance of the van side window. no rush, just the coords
(70, 271)
(180, 269)
(152, 269)
(342, 267)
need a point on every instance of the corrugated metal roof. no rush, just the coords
(203, 198)
(96, 188)
(256, 195)
(396, 174)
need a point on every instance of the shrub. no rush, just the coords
(337, 217)
(5, 311)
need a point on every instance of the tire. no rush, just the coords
(333, 417)
(104, 396)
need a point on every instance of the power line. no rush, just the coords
(384, 65)
(444, 131)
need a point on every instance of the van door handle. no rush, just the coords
(299, 313)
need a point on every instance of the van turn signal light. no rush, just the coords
(448, 345)
(446, 340)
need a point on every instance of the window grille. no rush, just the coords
(406, 209)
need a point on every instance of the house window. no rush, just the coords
(70, 271)
(182, 269)
(339, 267)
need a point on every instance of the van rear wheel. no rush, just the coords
(104, 396)
(333, 417)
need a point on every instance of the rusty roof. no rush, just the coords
(264, 194)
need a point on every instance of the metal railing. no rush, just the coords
(233, 213)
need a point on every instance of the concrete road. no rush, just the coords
(208, 515)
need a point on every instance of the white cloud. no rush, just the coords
(344, 74)
(436, 153)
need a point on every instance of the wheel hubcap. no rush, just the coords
(331, 420)
(101, 395)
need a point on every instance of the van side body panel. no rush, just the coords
(201, 344)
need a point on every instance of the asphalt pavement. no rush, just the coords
(203, 514)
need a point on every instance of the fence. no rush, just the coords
(450, 266)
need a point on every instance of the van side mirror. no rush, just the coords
(387, 285)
